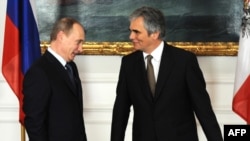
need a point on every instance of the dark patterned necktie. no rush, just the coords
(70, 73)
(150, 74)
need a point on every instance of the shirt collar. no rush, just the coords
(57, 56)
(156, 53)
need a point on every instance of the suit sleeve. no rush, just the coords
(201, 101)
(36, 96)
(121, 107)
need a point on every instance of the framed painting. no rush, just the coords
(209, 28)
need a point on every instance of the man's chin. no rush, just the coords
(137, 47)
(72, 57)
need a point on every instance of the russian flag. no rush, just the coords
(21, 46)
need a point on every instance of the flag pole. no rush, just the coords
(22, 133)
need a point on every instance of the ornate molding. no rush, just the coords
(123, 48)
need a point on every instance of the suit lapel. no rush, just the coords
(165, 69)
(61, 70)
(142, 80)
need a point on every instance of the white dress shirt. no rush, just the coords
(156, 59)
(57, 56)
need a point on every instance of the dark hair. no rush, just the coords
(153, 20)
(64, 24)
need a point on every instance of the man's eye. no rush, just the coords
(79, 42)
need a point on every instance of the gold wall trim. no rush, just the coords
(123, 48)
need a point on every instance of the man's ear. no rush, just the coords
(60, 35)
(155, 35)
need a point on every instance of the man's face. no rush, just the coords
(140, 37)
(73, 42)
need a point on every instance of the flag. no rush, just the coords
(21, 46)
(241, 99)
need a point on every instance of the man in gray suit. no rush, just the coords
(167, 111)
(53, 102)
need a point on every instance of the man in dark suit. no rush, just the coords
(167, 111)
(53, 103)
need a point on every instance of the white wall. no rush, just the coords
(99, 76)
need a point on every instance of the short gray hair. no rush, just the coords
(154, 20)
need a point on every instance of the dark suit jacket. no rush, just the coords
(169, 116)
(53, 107)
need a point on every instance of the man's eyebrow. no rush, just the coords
(79, 41)
(134, 30)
